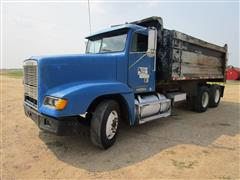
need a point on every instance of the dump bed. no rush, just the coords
(183, 57)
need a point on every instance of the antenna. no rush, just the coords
(89, 17)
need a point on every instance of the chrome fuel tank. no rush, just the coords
(149, 107)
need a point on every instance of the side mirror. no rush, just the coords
(152, 42)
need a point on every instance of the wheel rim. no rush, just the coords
(112, 124)
(217, 96)
(205, 99)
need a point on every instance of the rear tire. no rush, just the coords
(105, 123)
(215, 95)
(201, 101)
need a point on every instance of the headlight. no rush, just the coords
(56, 103)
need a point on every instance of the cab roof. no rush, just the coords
(116, 27)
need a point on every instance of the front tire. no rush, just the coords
(105, 123)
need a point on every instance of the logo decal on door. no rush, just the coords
(143, 74)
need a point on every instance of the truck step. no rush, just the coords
(177, 96)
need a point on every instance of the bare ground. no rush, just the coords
(186, 145)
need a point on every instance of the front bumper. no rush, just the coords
(59, 126)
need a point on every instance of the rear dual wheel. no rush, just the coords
(206, 97)
(215, 95)
(201, 101)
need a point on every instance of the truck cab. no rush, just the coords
(117, 79)
(129, 44)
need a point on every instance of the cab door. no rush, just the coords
(141, 73)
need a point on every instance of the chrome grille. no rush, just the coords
(30, 70)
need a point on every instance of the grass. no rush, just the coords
(16, 73)
(233, 82)
(228, 82)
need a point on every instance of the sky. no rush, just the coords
(48, 28)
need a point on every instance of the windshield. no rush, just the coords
(107, 44)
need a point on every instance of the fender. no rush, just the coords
(81, 95)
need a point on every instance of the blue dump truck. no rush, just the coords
(132, 73)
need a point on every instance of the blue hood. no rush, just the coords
(56, 71)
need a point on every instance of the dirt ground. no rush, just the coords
(187, 145)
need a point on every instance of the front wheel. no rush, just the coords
(105, 123)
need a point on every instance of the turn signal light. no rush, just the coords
(61, 104)
(56, 103)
